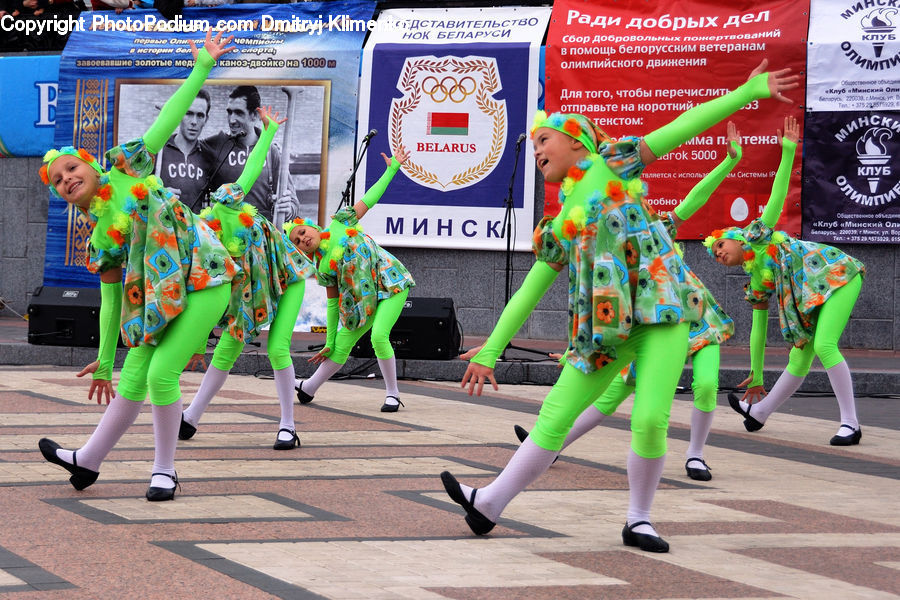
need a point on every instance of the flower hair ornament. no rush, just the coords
(574, 125)
(114, 223)
(52, 155)
(324, 235)
(765, 261)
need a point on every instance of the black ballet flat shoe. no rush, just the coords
(521, 433)
(186, 431)
(303, 397)
(644, 541)
(750, 424)
(391, 407)
(158, 494)
(290, 444)
(477, 522)
(698, 474)
(847, 440)
(81, 477)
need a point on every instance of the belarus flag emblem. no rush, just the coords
(446, 123)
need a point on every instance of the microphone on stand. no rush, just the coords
(372, 133)
(520, 140)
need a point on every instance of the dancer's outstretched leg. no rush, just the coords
(279, 351)
(386, 316)
(660, 353)
(705, 385)
(84, 463)
(572, 393)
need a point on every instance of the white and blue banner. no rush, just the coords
(118, 70)
(851, 155)
(28, 97)
(457, 88)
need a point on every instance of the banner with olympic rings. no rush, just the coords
(457, 88)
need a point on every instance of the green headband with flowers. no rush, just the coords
(574, 125)
(52, 155)
(289, 225)
(762, 256)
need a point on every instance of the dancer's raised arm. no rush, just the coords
(177, 106)
(759, 85)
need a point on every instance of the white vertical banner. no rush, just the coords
(458, 89)
(854, 56)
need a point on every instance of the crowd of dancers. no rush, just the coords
(636, 309)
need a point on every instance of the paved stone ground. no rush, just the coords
(359, 512)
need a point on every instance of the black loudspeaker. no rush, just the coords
(427, 329)
(60, 316)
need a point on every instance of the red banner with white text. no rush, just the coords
(634, 66)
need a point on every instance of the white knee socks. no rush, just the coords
(322, 374)
(525, 466)
(587, 420)
(701, 423)
(166, 421)
(209, 387)
(284, 384)
(118, 417)
(643, 479)
(842, 385)
(388, 368)
(783, 389)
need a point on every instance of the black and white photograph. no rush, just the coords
(211, 145)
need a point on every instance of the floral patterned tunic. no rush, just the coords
(714, 326)
(805, 276)
(364, 272)
(167, 252)
(623, 266)
(268, 260)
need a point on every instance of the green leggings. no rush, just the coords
(705, 384)
(658, 352)
(830, 324)
(386, 314)
(278, 346)
(156, 369)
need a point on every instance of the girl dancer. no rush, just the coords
(269, 290)
(816, 287)
(176, 286)
(366, 287)
(714, 328)
(630, 299)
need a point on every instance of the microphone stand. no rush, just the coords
(347, 195)
(508, 218)
(350, 190)
(204, 193)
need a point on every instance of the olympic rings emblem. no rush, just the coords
(448, 87)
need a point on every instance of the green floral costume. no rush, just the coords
(715, 327)
(166, 250)
(805, 273)
(268, 260)
(623, 266)
(363, 271)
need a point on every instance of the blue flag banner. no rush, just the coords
(456, 88)
(28, 97)
(301, 59)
